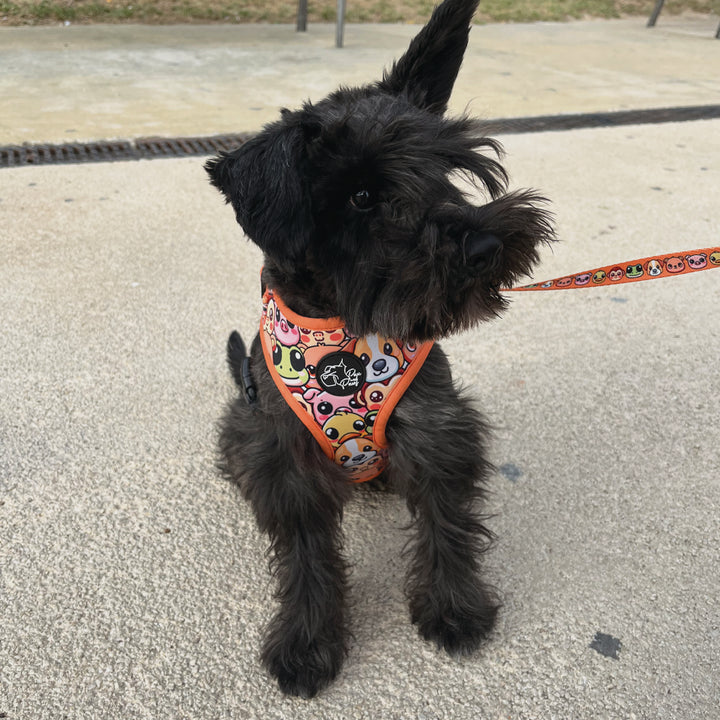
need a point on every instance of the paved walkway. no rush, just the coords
(61, 84)
(133, 583)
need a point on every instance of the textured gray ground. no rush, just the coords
(132, 580)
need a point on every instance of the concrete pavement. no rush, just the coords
(66, 84)
(132, 580)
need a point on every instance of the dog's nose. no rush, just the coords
(482, 251)
(379, 365)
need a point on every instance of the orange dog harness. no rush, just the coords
(343, 387)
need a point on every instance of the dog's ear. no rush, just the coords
(426, 72)
(262, 180)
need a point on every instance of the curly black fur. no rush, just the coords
(355, 202)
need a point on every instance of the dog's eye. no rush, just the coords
(362, 200)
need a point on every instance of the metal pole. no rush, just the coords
(302, 16)
(655, 13)
(340, 24)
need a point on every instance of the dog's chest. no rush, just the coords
(341, 386)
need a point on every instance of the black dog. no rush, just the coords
(371, 253)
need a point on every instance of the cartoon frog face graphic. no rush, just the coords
(290, 364)
(634, 271)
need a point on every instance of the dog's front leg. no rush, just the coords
(300, 509)
(297, 496)
(438, 462)
(306, 641)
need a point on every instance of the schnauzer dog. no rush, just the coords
(372, 251)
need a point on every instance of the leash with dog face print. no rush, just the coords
(649, 268)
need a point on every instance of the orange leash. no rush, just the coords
(649, 268)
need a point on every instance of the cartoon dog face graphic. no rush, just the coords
(654, 268)
(358, 455)
(381, 356)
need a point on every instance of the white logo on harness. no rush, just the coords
(340, 376)
(340, 373)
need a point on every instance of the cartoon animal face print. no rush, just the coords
(675, 264)
(654, 268)
(548, 284)
(599, 277)
(342, 425)
(634, 271)
(324, 404)
(616, 274)
(380, 355)
(715, 257)
(697, 261)
(285, 331)
(356, 453)
(374, 394)
(409, 349)
(321, 337)
(269, 323)
(290, 364)
(583, 279)
(564, 282)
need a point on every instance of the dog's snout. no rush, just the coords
(379, 365)
(482, 251)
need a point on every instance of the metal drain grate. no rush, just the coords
(148, 148)
(545, 123)
(108, 151)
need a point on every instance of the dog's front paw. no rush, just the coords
(303, 669)
(455, 623)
